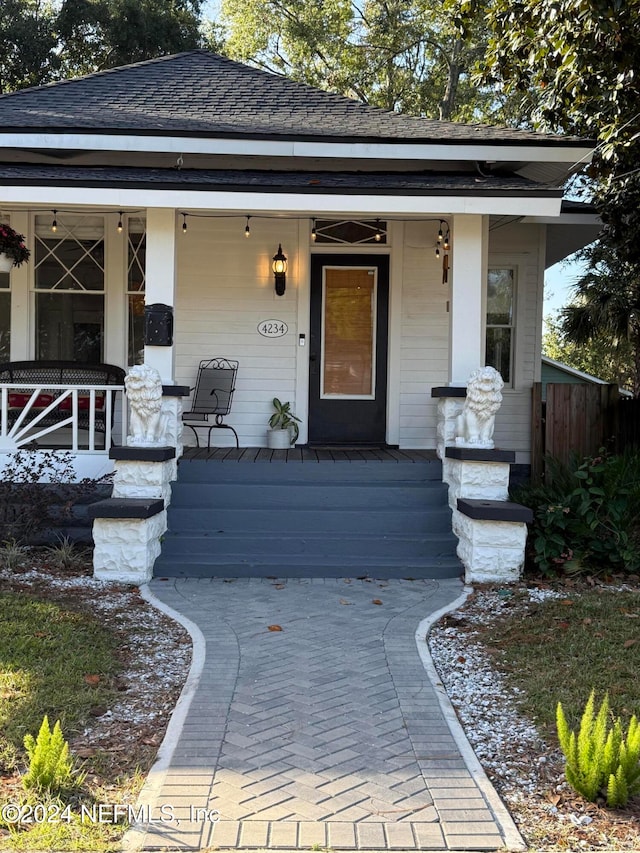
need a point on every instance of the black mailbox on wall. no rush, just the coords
(158, 325)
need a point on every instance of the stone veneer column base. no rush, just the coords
(126, 549)
(127, 527)
(492, 537)
(144, 472)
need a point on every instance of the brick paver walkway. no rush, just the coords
(326, 733)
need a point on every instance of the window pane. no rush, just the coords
(5, 280)
(498, 353)
(348, 231)
(348, 335)
(69, 264)
(70, 326)
(5, 324)
(136, 262)
(136, 329)
(500, 297)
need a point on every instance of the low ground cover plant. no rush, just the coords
(602, 759)
(50, 764)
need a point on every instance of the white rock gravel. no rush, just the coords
(527, 773)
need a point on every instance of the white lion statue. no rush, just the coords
(474, 426)
(144, 392)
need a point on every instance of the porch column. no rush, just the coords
(467, 312)
(161, 281)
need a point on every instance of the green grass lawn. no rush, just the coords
(54, 660)
(561, 648)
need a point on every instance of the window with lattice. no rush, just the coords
(136, 263)
(69, 288)
(349, 232)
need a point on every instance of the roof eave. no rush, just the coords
(321, 147)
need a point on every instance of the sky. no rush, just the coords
(557, 284)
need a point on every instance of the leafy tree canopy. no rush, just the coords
(405, 55)
(581, 61)
(27, 43)
(599, 330)
(44, 40)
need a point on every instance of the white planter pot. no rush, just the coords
(278, 439)
(6, 263)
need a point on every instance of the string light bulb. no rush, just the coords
(119, 225)
(446, 245)
(247, 229)
(378, 235)
(184, 223)
(314, 233)
(54, 223)
(437, 251)
(440, 235)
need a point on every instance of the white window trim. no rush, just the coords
(507, 263)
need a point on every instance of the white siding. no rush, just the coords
(225, 288)
(425, 334)
(522, 245)
(424, 360)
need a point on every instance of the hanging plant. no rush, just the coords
(12, 245)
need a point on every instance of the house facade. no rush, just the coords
(415, 249)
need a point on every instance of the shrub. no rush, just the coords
(12, 555)
(601, 760)
(50, 766)
(586, 514)
(38, 493)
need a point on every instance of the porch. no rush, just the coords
(389, 455)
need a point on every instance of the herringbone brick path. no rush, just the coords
(325, 733)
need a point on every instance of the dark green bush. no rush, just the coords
(586, 515)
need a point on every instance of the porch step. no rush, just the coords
(306, 519)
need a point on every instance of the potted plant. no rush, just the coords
(284, 426)
(13, 251)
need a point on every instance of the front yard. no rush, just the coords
(111, 667)
(506, 658)
(107, 664)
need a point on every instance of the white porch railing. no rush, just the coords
(32, 412)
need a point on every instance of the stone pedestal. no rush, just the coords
(126, 533)
(477, 474)
(491, 531)
(492, 537)
(143, 472)
(128, 527)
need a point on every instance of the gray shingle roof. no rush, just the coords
(201, 94)
(256, 180)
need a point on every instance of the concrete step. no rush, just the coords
(228, 518)
(374, 495)
(211, 471)
(283, 567)
(289, 519)
(258, 547)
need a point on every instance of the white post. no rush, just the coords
(161, 281)
(467, 318)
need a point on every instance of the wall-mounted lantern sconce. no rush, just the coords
(279, 267)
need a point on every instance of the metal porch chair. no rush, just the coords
(212, 398)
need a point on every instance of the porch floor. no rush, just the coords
(308, 454)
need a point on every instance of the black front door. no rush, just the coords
(348, 349)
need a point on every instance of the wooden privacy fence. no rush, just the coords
(578, 418)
